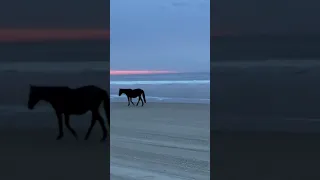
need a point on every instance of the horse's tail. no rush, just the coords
(144, 97)
(106, 107)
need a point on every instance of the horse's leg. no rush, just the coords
(131, 101)
(103, 127)
(59, 116)
(93, 122)
(142, 103)
(67, 122)
(128, 100)
(138, 101)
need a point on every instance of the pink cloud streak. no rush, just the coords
(30, 35)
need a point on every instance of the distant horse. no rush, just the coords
(66, 101)
(133, 93)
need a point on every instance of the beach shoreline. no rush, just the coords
(160, 140)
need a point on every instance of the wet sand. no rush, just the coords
(35, 154)
(265, 121)
(265, 155)
(160, 141)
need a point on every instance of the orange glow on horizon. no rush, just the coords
(30, 35)
(136, 72)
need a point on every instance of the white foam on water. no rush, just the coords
(161, 82)
(116, 98)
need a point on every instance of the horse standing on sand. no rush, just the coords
(133, 93)
(66, 101)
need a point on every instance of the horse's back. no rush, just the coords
(89, 87)
(89, 90)
(135, 92)
(138, 90)
(84, 98)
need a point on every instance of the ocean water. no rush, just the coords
(171, 88)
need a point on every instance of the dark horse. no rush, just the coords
(66, 101)
(133, 93)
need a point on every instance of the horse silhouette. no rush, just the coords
(133, 93)
(66, 101)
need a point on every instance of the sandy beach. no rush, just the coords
(265, 121)
(160, 141)
(32, 151)
(265, 155)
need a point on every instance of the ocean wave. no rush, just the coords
(160, 82)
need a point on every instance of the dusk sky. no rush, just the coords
(160, 35)
(247, 17)
(34, 20)
(55, 14)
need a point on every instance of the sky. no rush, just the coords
(167, 35)
(39, 14)
(275, 17)
(155, 34)
(35, 20)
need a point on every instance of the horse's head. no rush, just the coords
(120, 92)
(34, 97)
